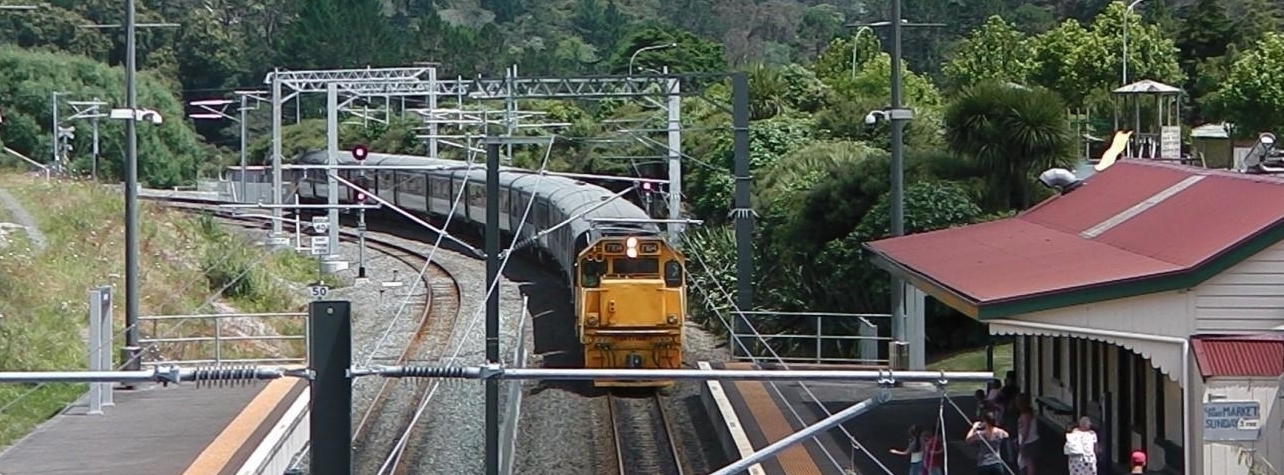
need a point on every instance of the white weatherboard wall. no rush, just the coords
(1247, 298)
(1232, 457)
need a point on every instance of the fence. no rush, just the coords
(214, 344)
(852, 337)
(513, 403)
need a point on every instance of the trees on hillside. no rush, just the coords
(1010, 132)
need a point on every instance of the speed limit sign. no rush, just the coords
(318, 290)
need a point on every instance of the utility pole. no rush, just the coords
(492, 302)
(675, 156)
(131, 348)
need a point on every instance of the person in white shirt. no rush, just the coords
(1081, 448)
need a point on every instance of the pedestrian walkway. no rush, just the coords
(157, 430)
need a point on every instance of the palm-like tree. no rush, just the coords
(1011, 132)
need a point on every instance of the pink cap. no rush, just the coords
(1138, 457)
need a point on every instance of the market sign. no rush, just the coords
(1232, 420)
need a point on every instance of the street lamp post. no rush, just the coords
(898, 115)
(1127, 11)
(648, 48)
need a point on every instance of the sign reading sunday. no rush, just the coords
(1231, 420)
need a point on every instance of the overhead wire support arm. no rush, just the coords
(163, 374)
(884, 377)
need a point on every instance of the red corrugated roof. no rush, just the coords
(1239, 355)
(1045, 249)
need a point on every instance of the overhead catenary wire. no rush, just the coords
(399, 448)
(993, 450)
(422, 271)
(784, 364)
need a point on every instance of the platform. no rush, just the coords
(180, 430)
(763, 413)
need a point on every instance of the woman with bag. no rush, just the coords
(1081, 448)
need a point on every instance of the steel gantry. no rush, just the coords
(472, 123)
(404, 81)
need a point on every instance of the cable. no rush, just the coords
(774, 354)
(405, 436)
(993, 449)
(427, 263)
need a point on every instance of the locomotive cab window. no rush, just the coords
(591, 272)
(638, 267)
(673, 274)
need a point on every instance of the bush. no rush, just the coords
(168, 154)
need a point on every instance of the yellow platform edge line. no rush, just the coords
(220, 451)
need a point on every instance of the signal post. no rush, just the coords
(359, 153)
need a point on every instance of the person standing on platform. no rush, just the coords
(933, 453)
(988, 436)
(1138, 462)
(1081, 448)
(914, 449)
(1027, 434)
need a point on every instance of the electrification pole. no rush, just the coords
(492, 302)
(131, 349)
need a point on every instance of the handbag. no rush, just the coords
(1074, 445)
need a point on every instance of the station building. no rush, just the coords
(1149, 297)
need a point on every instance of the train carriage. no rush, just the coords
(628, 283)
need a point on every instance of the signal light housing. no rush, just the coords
(359, 152)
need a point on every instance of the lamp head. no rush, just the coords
(1061, 179)
(870, 118)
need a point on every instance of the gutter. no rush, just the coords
(1185, 366)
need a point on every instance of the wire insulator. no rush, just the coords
(223, 376)
(432, 372)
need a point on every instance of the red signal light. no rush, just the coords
(359, 152)
(361, 198)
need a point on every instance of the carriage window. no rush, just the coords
(635, 266)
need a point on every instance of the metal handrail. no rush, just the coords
(219, 339)
(821, 340)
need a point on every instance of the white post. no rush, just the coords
(675, 158)
(869, 345)
(916, 326)
(332, 152)
(100, 347)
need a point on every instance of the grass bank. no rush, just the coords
(974, 360)
(187, 265)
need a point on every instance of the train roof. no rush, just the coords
(567, 194)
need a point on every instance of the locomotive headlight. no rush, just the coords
(673, 319)
(631, 252)
(592, 321)
(632, 243)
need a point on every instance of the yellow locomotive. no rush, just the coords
(630, 299)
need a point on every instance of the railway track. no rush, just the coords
(396, 400)
(643, 436)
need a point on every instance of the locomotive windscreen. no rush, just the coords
(636, 266)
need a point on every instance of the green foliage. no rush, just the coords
(1010, 132)
(167, 154)
(692, 54)
(709, 186)
(395, 137)
(975, 59)
(1253, 96)
(1081, 63)
(339, 34)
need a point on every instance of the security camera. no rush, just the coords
(870, 118)
(156, 118)
(1060, 179)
